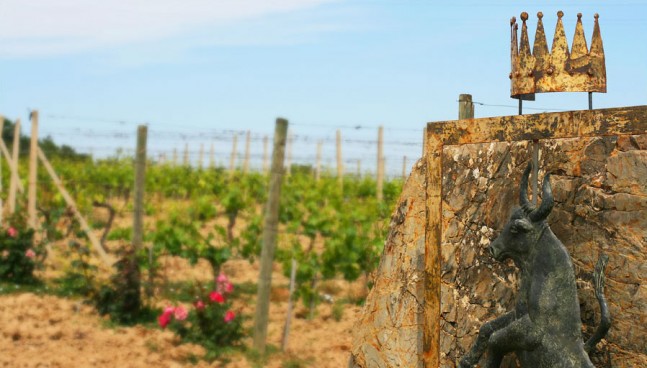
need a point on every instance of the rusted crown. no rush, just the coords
(562, 69)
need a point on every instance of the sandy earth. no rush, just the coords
(48, 331)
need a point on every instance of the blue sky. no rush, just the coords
(197, 71)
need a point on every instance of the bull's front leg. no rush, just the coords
(481, 344)
(521, 334)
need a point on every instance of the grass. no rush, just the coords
(248, 288)
(120, 233)
(295, 362)
(338, 310)
(37, 287)
(181, 291)
(259, 360)
(147, 317)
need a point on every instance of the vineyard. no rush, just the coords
(202, 230)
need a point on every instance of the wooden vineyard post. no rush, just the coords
(340, 164)
(359, 168)
(424, 141)
(232, 160)
(247, 146)
(96, 244)
(288, 318)
(175, 156)
(33, 168)
(201, 156)
(185, 160)
(13, 164)
(318, 164)
(404, 168)
(12, 161)
(212, 156)
(269, 237)
(465, 107)
(138, 204)
(138, 193)
(380, 164)
(265, 155)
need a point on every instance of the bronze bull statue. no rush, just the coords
(544, 329)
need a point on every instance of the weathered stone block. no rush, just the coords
(600, 188)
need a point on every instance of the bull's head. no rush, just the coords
(526, 224)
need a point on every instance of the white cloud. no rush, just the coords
(46, 27)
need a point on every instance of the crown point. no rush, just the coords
(579, 16)
(596, 16)
(513, 20)
(540, 15)
(524, 16)
(560, 14)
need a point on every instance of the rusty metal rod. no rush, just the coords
(590, 100)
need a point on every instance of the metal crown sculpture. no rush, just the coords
(578, 70)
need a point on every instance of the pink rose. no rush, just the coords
(30, 253)
(222, 278)
(12, 232)
(180, 313)
(216, 297)
(199, 305)
(166, 316)
(229, 287)
(164, 319)
(229, 316)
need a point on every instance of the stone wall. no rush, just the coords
(600, 189)
(389, 332)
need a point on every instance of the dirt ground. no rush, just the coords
(48, 331)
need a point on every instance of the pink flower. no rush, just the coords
(180, 313)
(229, 316)
(30, 253)
(166, 316)
(229, 287)
(216, 297)
(222, 278)
(199, 305)
(12, 232)
(223, 285)
(164, 319)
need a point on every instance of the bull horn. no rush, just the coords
(523, 193)
(547, 201)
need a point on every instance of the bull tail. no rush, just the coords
(605, 320)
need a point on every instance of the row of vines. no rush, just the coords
(206, 216)
(212, 215)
